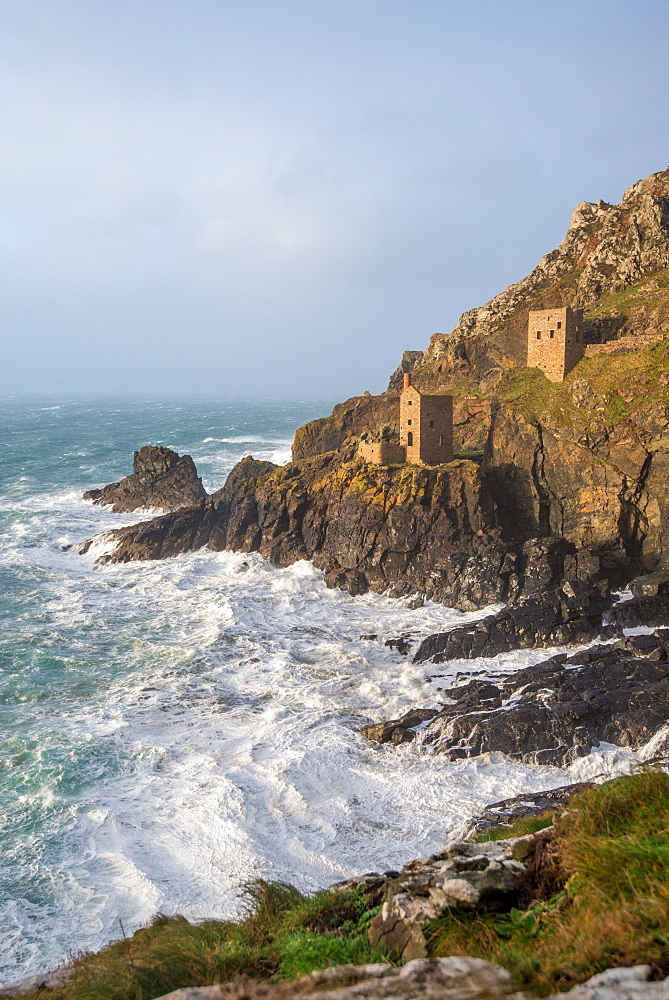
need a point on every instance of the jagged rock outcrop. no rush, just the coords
(246, 470)
(466, 877)
(351, 418)
(400, 529)
(524, 806)
(160, 480)
(554, 712)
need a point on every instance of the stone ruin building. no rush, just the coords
(426, 431)
(555, 341)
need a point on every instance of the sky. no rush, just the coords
(277, 197)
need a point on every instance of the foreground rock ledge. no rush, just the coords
(452, 978)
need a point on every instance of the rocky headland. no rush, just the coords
(557, 496)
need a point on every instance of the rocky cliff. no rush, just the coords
(612, 263)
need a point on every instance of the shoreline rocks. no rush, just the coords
(570, 614)
(553, 712)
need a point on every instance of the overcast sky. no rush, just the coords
(277, 198)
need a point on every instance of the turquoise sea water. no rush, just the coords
(171, 730)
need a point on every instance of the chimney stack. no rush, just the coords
(407, 380)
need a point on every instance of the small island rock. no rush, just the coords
(161, 480)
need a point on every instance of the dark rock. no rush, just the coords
(416, 603)
(555, 711)
(410, 359)
(401, 730)
(566, 615)
(400, 530)
(245, 471)
(161, 479)
(507, 811)
(648, 611)
(650, 585)
(402, 644)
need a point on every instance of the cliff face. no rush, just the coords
(400, 529)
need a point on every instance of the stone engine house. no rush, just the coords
(426, 426)
(426, 431)
(555, 341)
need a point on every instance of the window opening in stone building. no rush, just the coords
(559, 325)
(432, 423)
(409, 423)
(538, 334)
(410, 439)
(441, 440)
(551, 334)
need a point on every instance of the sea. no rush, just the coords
(172, 730)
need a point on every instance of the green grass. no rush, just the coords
(520, 827)
(284, 935)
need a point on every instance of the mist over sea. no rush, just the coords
(171, 730)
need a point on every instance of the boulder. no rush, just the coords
(466, 877)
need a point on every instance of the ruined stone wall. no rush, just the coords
(623, 345)
(381, 452)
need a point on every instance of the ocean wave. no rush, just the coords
(248, 439)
